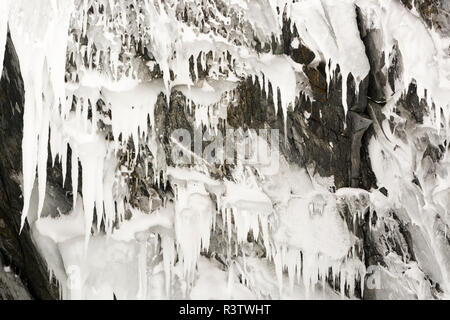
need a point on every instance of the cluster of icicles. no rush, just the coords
(309, 241)
(40, 33)
(42, 51)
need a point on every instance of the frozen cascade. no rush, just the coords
(39, 57)
(94, 72)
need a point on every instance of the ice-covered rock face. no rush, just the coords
(107, 84)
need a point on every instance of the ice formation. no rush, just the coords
(339, 43)
(81, 71)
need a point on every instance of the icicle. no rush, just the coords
(108, 199)
(64, 162)
(74, 175)
(344, 94)
(43, 153)
(99, 190)
(29, 154)
(142, 267)
(130, 111)
(168, 250)
(228, 212)
(56, 52)
(193, 221)
(277, 259)
(32, 42)
(291, 262)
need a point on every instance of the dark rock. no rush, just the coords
(413, 104)
(384, 191)
(377, 75)
(395, 66)
(11, 286)
(359, 126)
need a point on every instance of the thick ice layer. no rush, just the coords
(81, 274)
(249, 207)
(161, 220)
(260, 277)
(64, 227)
(310, 239)
(98, 171)
(315, 223)
(226, 285)
(279, 71)
(93, 275)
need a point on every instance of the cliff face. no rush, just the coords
(23, 272)
(357, 207)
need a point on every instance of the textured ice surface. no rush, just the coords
(82, 72)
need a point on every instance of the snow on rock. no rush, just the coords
(329, 28)
(249, 207)
(79, 270)
(424, 53)
(170, 56)
(93, 66)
